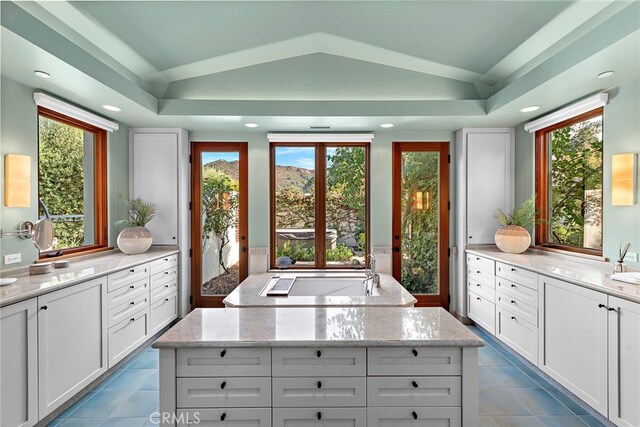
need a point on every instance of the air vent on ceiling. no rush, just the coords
(319, 127)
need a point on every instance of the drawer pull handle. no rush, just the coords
(514, 270)
(223, 352)
(513, 301)
(319, 415)
(513, 286)
(414, 384)
(132, 303)
(166, 272)
(166, 286)
(44, 307)
(223, 385)
(415, 352)
(319, 384)
(478, 284)
(414, 415)
(477, 258)
(478, 271)
(513, 318)
(478, 298)
(132, 320)
(132, 270)
(318, 353)
(223, 416)
(166, 300)
(166, 259)
(611, 309)
(601, 306)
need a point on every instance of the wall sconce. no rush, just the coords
(623, 179)
(17, 181)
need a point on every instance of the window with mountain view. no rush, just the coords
(319, 205)
(569, 184)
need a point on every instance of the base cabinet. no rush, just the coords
(624, 362)
(19, 364)
(575, 340)
(241, 417)
(320, 417)
(423, 417)
(72, 349)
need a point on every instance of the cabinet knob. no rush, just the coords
(318, 353)
(132, 271)
(478, 284)
(478, 298)
(166, 286)
(223, 385)
(223, 416)
(415, 352)
(166, 300)
(166, 272)
(478, 271)
(132, 287)
(513, 286)
(513, 302)
(319, 415)
(222, 353)
(166, 259)
(513, 318)
(319, 384)
(132, 320)
(414, 384)
(44, 307)
(414, 415)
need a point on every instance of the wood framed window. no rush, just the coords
(72, 183)
(568, 179)
(319, 205)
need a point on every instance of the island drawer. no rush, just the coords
(414, 391)
(159, 292)
(483, 263)
(127, 335)
(480, 275)
(522, 292)
(321, 362)
(481, 289)
(163, 312)
(254, 417)
(320, 417)
(223, 362)
(227, 392)
(518, 334)
(164, 263)
(413, 361)
(312, 392)
(127, 308)
(517, 274)
(519, 308)
(482, 311)
(127, 293)
(159, 279)
(414, 416)
(127, 276)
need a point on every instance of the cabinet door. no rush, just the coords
(624, 362)
(575, 340)
(72, 341)
(488, 183)
(155, 179)
(19, 364)
(320, 417)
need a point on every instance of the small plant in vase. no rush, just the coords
(512, 236)
(135, 238)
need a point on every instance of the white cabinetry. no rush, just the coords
(481, 293)
(624, 362)
(484, 182)
(19, 364)
(72, 341)
(159, 174)
(575, 340)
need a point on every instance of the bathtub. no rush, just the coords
(305, 286)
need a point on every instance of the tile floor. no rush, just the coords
(511, 394)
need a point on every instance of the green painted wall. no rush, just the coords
(621, 135)
(19, 135)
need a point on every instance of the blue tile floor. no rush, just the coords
(511, 394)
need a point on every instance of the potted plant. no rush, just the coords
(512, 236)
(135, 238)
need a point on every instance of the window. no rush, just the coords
(569, 184)
(72, 184)
(319, 205)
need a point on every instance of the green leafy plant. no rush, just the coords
(340, 253)
(296, 252)
(140, 213)
(523, 216)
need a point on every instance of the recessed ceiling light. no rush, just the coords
(530, 109)
(605, 74)
(251, 125)
(111, 107)
(387, 125)
(42, 74)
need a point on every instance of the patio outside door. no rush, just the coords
(219, 241)
(421, 220)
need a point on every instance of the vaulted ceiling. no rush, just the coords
(288, 65)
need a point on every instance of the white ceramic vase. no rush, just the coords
(134, 240)
(512, 239)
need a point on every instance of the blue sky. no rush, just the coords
(210, 157)
(302, 157)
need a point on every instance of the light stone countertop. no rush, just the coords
(318, 327)
(587, 273)
(80, 270)
(247, 293)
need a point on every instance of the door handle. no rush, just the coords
(243, 249)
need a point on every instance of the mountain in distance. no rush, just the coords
(286, 176)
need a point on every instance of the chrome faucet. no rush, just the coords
(370, 272)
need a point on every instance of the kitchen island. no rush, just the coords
(328, 366)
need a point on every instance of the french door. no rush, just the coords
(420, 180)
(219, 241)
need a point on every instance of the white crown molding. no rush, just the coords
(46, 101)
(587, 104)
(319, 137)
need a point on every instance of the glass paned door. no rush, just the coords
(420, 220)
(219, 221)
